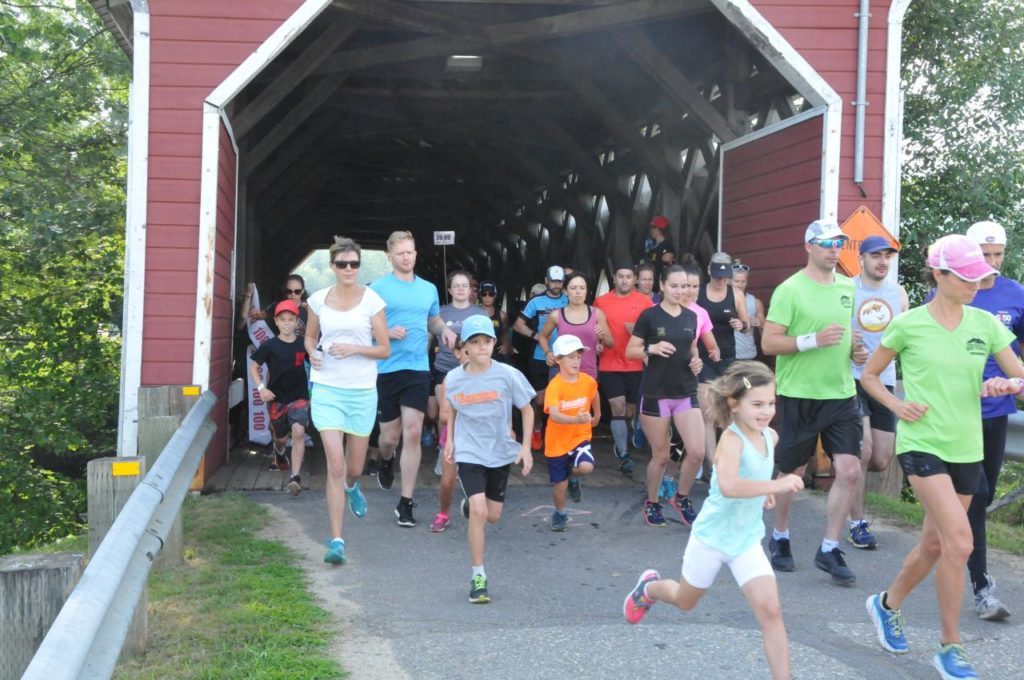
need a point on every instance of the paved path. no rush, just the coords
(557, 598)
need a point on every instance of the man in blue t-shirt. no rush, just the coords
(1005, 299)
(403, 379)
(529, 323)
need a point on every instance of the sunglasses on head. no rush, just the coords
(740, 267)
(346, 264)
(294, 291)
(830, 242)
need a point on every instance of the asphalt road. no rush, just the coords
(556, 609)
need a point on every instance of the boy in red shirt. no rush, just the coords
(573, 410)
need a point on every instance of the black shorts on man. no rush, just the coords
(539, 374)
(401, 388)
(801, 421)
(615, 384)
(881, 418)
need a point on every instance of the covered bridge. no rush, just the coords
(539, 131)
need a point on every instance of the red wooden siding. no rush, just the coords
(825, 32)
(195, 44)
(771, 190)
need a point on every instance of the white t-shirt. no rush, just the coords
(353, 327)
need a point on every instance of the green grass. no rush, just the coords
(239, 607)
(1009, 538)
(71, 544)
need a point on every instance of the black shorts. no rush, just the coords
(436, 378)
(881, 418)
(539, 374)
(838, 422)
(714, 369)
(491, 482)
(401, 388)
(965, 476)
(615, 384)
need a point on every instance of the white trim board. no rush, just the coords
(892, 164)
(135, 236)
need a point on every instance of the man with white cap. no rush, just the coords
(1004, 298)
(808, 329)
(877, 302)
(529, 323)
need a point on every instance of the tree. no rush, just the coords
(63, 101)
(964, 124)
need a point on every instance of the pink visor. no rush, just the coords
(962, 256)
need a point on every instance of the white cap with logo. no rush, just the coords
(987, 233)
(565, 345)
(556, 273)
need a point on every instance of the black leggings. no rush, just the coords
(994, 432)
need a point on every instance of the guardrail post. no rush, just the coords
(33, 589)
(110, 483)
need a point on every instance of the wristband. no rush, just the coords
(1019, 383)
(261, 386)
(806, 342)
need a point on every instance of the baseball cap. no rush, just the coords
(478, 324)
(962, 256)
(489, 287)
(721, 266)
(822, 229)
(873, 244)
(286, 306)
(566, 344)
(625, 264)
(556, 273)
(659, 222)
(987, 233)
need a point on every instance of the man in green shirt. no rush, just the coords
(808, 329)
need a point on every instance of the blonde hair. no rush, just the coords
(739, 378)
(343, 244)
(397, 236)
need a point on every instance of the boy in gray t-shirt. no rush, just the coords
(481, 394)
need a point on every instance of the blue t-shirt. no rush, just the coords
(1005, 300)
(409, 304)
(540, 307)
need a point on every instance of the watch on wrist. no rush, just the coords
(261, 386)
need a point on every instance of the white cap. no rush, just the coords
(566, 344)
(987, 233)
(556, 273)
(823, 229)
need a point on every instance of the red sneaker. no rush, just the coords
(536, 441)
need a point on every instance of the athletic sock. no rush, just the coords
(479, 571)
(855, 522)
(620, 432)
(828, 546)
(778, 535)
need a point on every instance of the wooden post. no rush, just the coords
(33, 589)
(110, 483)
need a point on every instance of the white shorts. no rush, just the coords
(701, 564)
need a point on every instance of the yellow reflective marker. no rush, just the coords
(130, 468)
(190, 390)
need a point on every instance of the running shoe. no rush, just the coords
(281, 459)
(478, 590)
(652, 515)
(626, 464)
(440, 523)
(356, 500)
(427, 438)
(386, 473)
(685, 509)
(536, 440)
(575, 490)
(987, 605)
(371, 468)
(404, 513)
(336, 553)
(861, 538)
(637, 604)
(639, 440)
(781, 555)
(888, 625)
(833, 562)
(464, 506)
(952, 663)
(295, 485)
(559, 521)
(670, 486)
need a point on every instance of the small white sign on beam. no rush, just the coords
(444, 238)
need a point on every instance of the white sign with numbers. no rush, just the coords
(444, 238)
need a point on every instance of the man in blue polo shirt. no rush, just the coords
(403, 379)
(529, 323)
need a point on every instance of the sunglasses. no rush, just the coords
(294, 291)
(741, 268)
(830, 242)
(487, 293)
(346, 264)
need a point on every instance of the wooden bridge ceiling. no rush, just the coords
(585, 118)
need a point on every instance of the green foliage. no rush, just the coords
(964, 125)
(63, 97)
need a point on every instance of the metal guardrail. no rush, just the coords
(85, 640)
(1015, 438)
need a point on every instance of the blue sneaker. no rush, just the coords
(559, 521)
(684, 507)
(888, 626)
(652, 515)
(670, 487)
(952, 664)
(861, 538)
(356, 500)
(427, 438)
(575, 490)
(336, 553)
(639, 440)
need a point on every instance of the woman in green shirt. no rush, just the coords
(942, 346)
